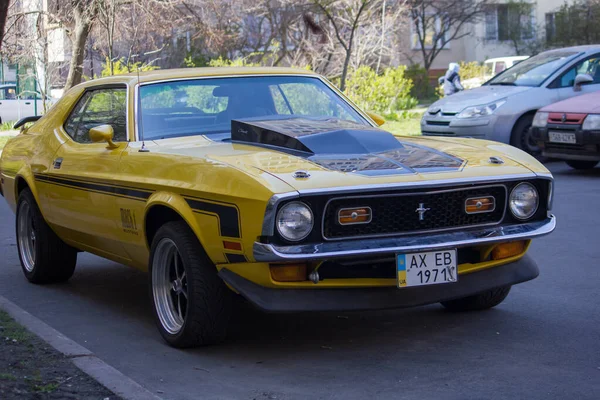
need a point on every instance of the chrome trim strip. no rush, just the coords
(268, 227)
(264, 252)
(411, 185)
(484, 211)
(418, 231)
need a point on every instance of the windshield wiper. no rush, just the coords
(503, 83)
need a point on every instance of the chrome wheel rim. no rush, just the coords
(169, 286)
(26, 235)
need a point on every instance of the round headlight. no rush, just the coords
(294, 221)
(524, 201)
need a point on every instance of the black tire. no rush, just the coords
(579, 164)
(521, 136)
(209, 303)
(481, 301)
(46, 258)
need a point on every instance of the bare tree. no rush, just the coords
(346, 17)
(439, 22)
(84, 13)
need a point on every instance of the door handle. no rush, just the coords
(27, 102)
(57, 163)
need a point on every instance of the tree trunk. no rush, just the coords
(3, 16)
(81, 32)
(345, 69)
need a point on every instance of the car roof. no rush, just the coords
(584, 104)
(191, 73)
(589, 48)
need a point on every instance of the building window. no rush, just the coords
(550, 27)
(509, 21)
(432, 31)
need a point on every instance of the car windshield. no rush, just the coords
(207, 106)
(533, 71)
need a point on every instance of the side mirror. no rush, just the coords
(103, 133)
(378, 119)
(581, 79)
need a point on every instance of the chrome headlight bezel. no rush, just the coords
(591, 122)
(514, 209)
(482, 110)
(299, 211)
(540, 119)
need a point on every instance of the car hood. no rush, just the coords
(473, 97)
(584, 104)
(347, 157)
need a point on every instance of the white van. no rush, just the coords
(13, 107)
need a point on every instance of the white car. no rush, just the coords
(492, 67)
(13, 107)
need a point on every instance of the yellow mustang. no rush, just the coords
(270, 184)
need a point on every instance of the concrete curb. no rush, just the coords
(83, 358)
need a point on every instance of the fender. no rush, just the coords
(203, 225)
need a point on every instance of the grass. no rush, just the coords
(7, 126)
(12, 330)
(410, 126)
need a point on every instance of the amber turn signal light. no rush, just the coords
(506, 250)
(476, 205)
(288, 272)
(357, 215)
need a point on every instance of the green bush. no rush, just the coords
(422, 88)
(469, 70)
(387, 94)
(120, 67)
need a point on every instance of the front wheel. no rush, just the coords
(579, 164)
(192, 305)
(481, 301)
(45, 258)
(521, 136)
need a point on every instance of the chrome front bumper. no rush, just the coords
(264, 252)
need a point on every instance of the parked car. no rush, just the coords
(503, 108)
(492, 67)
(15, 106)
(570, 130)
(270, 184)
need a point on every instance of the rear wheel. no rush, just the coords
(192, 305)
(45, 258)
(481, 301)
(579, 164)
(521, 136)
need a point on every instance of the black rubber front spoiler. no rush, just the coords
(315, 299)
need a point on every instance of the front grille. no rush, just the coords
(397, 214)
(438, 123)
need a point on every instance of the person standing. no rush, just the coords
(451, 81)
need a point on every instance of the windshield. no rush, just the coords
(533, 71)
(207, 106)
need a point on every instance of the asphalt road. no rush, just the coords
(543, 342)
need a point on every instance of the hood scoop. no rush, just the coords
(343, 145)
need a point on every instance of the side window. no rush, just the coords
(590, 66)
(500, 66)
(99, 107)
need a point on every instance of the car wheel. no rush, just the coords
(45, 258)
(191, 304)
(521, 136)
(579, 164)
(481, 301)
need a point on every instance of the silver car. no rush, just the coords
(503, 108)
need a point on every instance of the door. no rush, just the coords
(564, 84)
(30, 103)
(9, 105)
(81, 184)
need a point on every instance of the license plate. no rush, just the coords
(562, 137)
(426, 268)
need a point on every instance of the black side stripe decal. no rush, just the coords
(97, 187)
(229, 216)
(235, 258)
